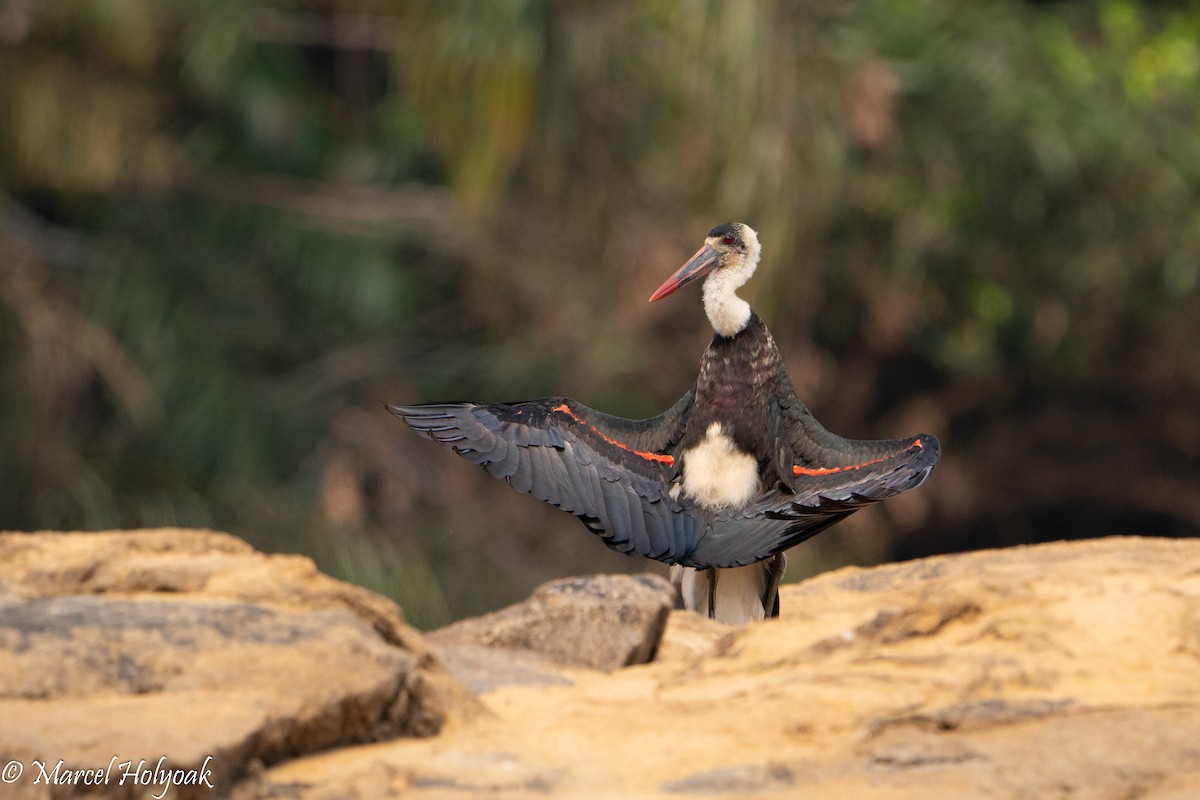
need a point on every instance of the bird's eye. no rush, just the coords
(728, 238)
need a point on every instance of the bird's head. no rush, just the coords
(730, 250)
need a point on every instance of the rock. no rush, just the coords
(191, 647)
(599, 622)
(738, 781)
(1061, 670)
(691, 637)
(483, 669)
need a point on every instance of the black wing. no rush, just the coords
(614, 474)
(824, 496)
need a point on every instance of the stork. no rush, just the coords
(720, 484)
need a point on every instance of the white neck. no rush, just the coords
(727, 312)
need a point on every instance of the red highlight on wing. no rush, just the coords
(663, 458)
(798, 470)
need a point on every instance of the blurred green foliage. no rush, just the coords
(230, 230)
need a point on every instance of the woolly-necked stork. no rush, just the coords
(720, 484)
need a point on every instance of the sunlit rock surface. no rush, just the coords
(191, 645)
(1061, 670)
(599, 621)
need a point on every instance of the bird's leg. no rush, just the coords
(712, 592)
(775, 569)
(677, 573)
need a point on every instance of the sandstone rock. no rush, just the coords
(1062, 670)
(483, 669)
(690, 637)
(600, 622)
(192, 646)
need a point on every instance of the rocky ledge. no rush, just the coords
(1060, 670)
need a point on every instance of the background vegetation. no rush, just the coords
(229, 231)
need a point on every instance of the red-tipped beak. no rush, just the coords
(699, 265)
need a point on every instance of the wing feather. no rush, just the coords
(779, 520)
(505, 463)
(522, 477)
(613, 473)
(579, 492)
(657, 533)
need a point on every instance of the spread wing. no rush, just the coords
(614, 474)
(826, 492)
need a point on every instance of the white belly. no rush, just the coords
(716, 474)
